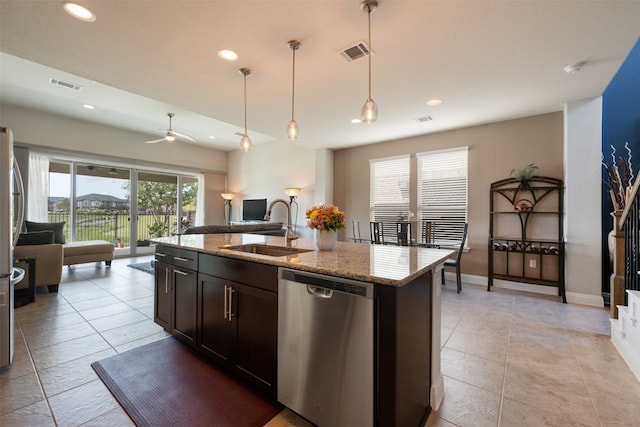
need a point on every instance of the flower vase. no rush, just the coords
(326, 240)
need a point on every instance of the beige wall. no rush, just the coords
(494, 150)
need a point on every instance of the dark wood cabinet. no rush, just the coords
(226, 308)
(239, 329)
(185, 295)
(163, 295)
(526, 237)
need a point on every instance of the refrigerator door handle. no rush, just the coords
(17, 227)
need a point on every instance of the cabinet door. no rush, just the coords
(185, 283)
(257, 322)
(217, 329)
(163, 295)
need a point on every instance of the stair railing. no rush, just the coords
(626, 263)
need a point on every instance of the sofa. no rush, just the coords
(268, 228)
(44, 243)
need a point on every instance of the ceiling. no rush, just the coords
(487, 60)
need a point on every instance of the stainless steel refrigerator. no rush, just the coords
(11, 216)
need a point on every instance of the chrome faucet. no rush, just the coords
(289, 235)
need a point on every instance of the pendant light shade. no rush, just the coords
(245, 142)
(292, 129)
(369, 112)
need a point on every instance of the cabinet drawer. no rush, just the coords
(185, 259)
(163, 254)
(258, 275)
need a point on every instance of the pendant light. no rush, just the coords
(245, 142)
(369, 112)
(292, 129)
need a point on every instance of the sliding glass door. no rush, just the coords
(96, 202)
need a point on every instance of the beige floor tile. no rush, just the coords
(561, 393)
(288, 418)
(435, 421)
(16, 393)
(133, 332)
(467, 405)
(53, 336)
(106, 311)
(81, 404)
(614, 410)
(484, 373)
(36, 414)
(115, 417)
(488, 344)
(65, 376)
(122, 319)
(518, 414)
(47, 357)
(32, 326)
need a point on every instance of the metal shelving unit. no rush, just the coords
(526, 236)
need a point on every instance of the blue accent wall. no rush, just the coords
(620, 124)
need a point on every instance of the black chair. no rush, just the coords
(377, 233)
(428, 235)
(403, 233)
(456, 262)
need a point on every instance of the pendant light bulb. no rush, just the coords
(369, 112)
(245, 142)
(292, 129)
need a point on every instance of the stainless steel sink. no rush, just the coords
(268, 250)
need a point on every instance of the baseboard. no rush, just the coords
(631, 357)
(572, 297)
(437, 392)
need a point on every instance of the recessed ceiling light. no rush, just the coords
(79, 12)
(89, 107)
(228, 55)
(356, 121)
(212, 137)
(433, 102)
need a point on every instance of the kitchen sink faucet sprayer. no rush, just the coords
(289, 234)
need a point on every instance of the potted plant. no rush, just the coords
(524, 174)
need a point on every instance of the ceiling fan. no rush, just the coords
(170, 134)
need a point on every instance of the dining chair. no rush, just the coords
(377, 232)
(456, 262)
(403, 233)
(355, 226)
(428, 235)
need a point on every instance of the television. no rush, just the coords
(254, 209)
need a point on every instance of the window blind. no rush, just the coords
(442, 192)
(390, 192)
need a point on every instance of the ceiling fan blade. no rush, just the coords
(183, 136)
(155, 141)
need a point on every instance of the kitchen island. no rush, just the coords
(223, 301)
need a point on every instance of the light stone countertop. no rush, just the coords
(382, 264)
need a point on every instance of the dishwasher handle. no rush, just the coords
(319, 292)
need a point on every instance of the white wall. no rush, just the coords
(269, 168)
(582, 175)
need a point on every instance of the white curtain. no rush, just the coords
(38, 195)
(200, 201)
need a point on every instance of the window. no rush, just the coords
(442, 192)
(390, 191)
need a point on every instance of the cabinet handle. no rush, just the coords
(224, 316)
(166, 281)
(182, 273)
(161, 254)
(179, 258)
(231, 291)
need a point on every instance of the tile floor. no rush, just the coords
(509, 358)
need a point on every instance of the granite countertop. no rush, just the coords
(382, 264)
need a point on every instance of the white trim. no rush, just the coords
(572, 297)
(630, 356)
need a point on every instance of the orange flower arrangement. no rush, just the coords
(325, 218)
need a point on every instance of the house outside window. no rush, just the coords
(390, 192)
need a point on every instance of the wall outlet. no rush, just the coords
(532, 263)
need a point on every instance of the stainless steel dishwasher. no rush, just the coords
(325, 348)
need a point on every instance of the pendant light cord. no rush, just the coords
(293, 82)
(370, 49)
(245, 103)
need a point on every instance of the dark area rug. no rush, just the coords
(166, 383)
(147, 267)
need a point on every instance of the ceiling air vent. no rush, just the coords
(64, 84)
(424, 119)
(354, 52)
